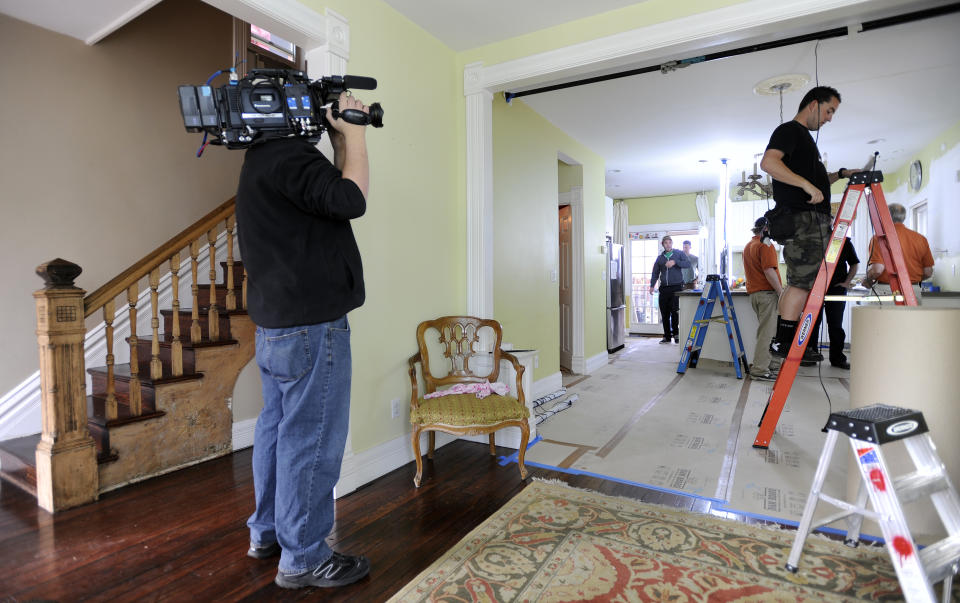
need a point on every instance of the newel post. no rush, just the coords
(67, 474)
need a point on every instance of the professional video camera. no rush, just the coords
(271, 103)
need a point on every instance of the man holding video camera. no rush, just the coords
(801, 219)
(304, 275)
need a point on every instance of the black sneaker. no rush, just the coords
(777, 349)
(264, 551)
(338, 570)
(665, 340)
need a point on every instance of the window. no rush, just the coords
(262, 38)
(257, 48)
(919, 216)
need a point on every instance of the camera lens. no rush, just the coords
(376, 115)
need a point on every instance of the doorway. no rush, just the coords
(566, 287)
(569, 277)
(644, 248)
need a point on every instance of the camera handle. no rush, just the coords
(357, 117)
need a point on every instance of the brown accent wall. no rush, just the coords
(95, 166)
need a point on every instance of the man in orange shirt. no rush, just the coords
(764, 286)
(916, 255)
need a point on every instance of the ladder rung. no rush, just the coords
(940, 558)
(915, 486)
(850, 508)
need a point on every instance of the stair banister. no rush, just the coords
(134, 273)
(67, 472)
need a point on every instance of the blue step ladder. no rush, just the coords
(716, 289)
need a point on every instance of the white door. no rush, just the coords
(644, 249)
(566, 287)
(645, 313)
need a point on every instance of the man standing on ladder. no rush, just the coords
(801, 218)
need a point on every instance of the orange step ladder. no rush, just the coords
(862, 184)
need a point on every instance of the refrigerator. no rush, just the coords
(616, 308)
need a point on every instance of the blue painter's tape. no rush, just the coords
(515, 457)
(770, 518)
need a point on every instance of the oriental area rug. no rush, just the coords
(555, 543)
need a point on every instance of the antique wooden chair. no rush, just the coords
(460, 341)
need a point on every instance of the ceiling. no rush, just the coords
(664, 134)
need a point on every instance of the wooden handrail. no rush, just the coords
(131, 275)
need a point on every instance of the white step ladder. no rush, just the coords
(867, 429)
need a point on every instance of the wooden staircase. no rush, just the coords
(170, 406)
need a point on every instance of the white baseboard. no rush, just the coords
(597, 362)
(243, 433)
(364, 467)
(547, 385)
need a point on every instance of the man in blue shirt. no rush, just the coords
(668, 269)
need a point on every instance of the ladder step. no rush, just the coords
(940, 558)
(914, 486)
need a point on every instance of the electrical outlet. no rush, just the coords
(395, 406)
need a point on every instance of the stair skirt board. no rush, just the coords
(20, 407)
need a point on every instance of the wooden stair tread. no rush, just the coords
(18, 462)
(98, 415)
(122, 372)
(23, 448)
(166, 340)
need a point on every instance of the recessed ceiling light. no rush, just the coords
(702, 161)
(613, 171)
(876, 141)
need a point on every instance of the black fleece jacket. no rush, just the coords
(293, 220)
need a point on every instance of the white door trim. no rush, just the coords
(574, 199)
(646, 45)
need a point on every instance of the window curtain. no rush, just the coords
(708, 263)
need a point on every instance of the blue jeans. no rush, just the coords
(299, 439)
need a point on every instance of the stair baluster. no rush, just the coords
(195, 334)
(213, 315)
(156, 367)
(244, 289)
(134, 398)
(176, 347)
(231, 295)
(110, 402)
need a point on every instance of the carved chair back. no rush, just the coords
(468, 344)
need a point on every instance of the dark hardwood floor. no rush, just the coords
(182, 536)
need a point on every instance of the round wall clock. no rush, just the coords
(916, 175)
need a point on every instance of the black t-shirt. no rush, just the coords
(848, 257)
(801, 155)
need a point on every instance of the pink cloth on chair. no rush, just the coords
(482, 390)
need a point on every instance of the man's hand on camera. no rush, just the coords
(340, 125)
(350, 144)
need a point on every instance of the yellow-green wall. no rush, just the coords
(412, 237)
(612, 22)
(568, 176)
(662, 210)
(933, 150)
(525, 188)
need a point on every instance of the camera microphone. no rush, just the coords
(359, 82)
